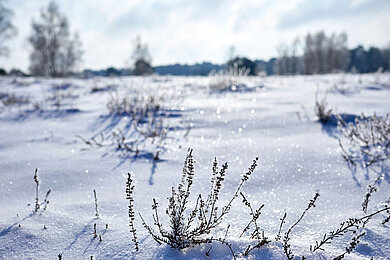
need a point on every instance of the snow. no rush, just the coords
(272, 117)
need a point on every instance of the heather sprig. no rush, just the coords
(286, 237)
(351, 225)
(129, 195)
(371, 188)
(37, 206)
(46, 201)
(96, 204)
(256, 234)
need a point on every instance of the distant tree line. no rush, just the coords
(321, 53)
(56, 52)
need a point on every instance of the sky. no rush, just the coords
(200, 30)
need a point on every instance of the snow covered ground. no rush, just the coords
(269, 117)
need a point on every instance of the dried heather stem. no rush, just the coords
(94, 231)
(46, 201)
(282, 221)
(37, 206)
(286, 238)
(345, 227)
(96, 204)
(371, 188)
(129, 196)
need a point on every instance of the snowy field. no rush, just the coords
(64, 128)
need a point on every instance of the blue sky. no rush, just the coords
(201, 30)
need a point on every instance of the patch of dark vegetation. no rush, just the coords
(322, 110)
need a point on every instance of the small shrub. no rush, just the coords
(59, 97)
(369, 139)
(195, 227)
(137, 107)
(227, 80)
(148, 120)
(342, 88)
(321, 110)
(147, 115)
(10, 99)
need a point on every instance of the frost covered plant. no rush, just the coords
(352, 225)
(286, 237)
(96, 204)
(371, 188)
(156, 131)
(256, 233)
(59, 97)
(122, 143)
(37, 206)
(129, 196)
(227, 80)
(94, 231)
(342, 88)
(137, 107)
(194, 222)
(147, 118)
(321, 109)
(190, 227)
(10, 99)
(46, 201)
(153, 135)
(369, 139)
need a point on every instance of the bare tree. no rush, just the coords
(324, 54)
(319, 43)
(54, 53)
(283, 62)
(342, 53)
(7, 29)
(141, 58)
(309, 54)
(294, 54)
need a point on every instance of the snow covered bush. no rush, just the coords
(194, 228)
(147, 119)
(369, 139)
(137, 107)
(227, 80)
